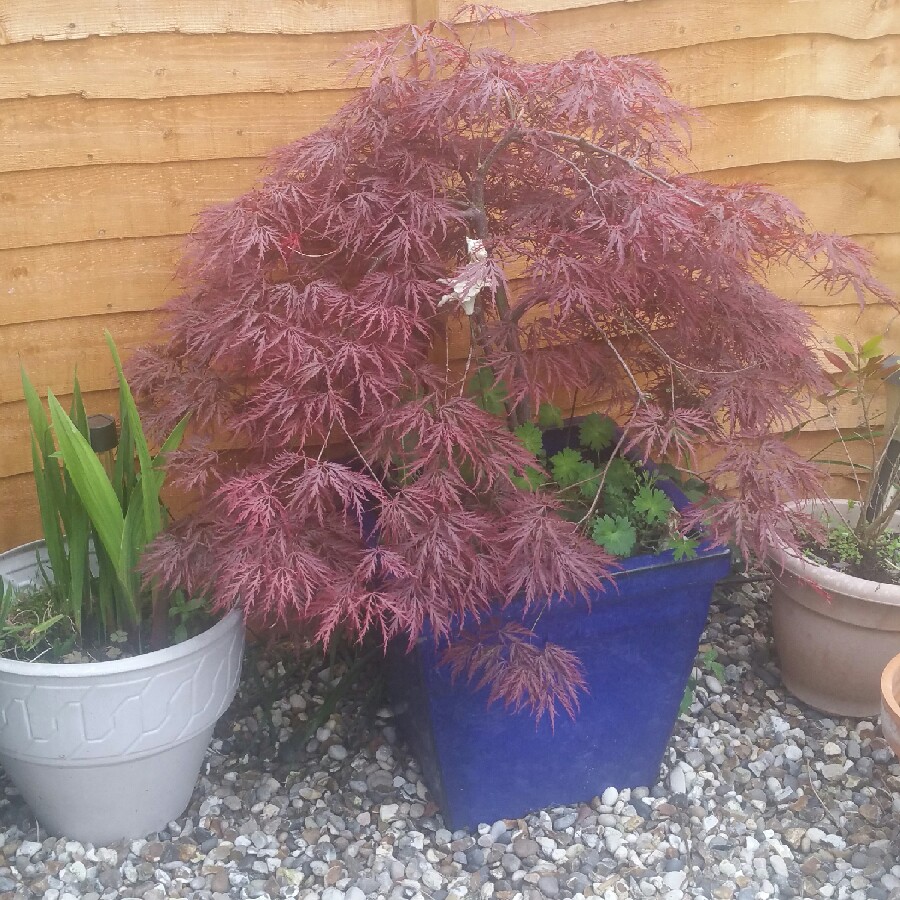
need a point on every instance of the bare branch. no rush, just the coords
(590, 147)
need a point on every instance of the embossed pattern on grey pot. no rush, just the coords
(110, 750)
(834, 633)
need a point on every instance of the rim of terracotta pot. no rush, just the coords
(832, 579)
(890, 690)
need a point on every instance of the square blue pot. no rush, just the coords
(637, 643)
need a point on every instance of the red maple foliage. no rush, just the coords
(315, 316)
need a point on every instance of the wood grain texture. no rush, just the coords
(424, 11)
(856, 324)
(53, 20)
(50, 352)
(15, 450)
(848, 198)
(94, 278)
(673, 23)
(173, 65)
(106, 202)
(56, 132)
(671, 20)
(20, 521)
(793, 283)
(827, 321)
(52, 132)
(782, 66)
(797, 129)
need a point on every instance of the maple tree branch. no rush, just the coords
(588, 146)
(669, 359)
(359, 453)
(639, 399)
(513, 134)
(602, 482)
(516, 413)
(625, 367)
(879, 523)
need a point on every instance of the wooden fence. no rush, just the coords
(120, 120)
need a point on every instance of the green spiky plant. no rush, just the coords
(88, 512)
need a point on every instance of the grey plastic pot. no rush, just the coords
(834, 633)
(111, 750)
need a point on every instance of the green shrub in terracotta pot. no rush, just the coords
(836, 604)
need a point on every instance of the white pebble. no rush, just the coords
(28, 848)
(613, 839)
(387, 812)
(674, 880)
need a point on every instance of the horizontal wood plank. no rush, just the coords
(106, 202)
(51, 351)
(20, 522)
(93, 278)
(850, 198)
(41, 351)
(174, 65)
(793, 282)
(670, 20)
(856, 324)
(797, 129)
(784, 66)
(130, 275)
(53, 132)
(171, 65)
(15, 451)
(672, 23)
(827, 322)
(52, 20)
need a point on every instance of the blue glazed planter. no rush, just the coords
(637, 645)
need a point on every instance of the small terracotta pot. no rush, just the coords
(890, 703)
(834, 633)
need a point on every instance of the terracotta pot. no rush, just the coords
(834, 633)
(890, 703)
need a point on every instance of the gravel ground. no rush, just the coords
(759, 798)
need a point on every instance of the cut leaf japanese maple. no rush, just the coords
(541, 205)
